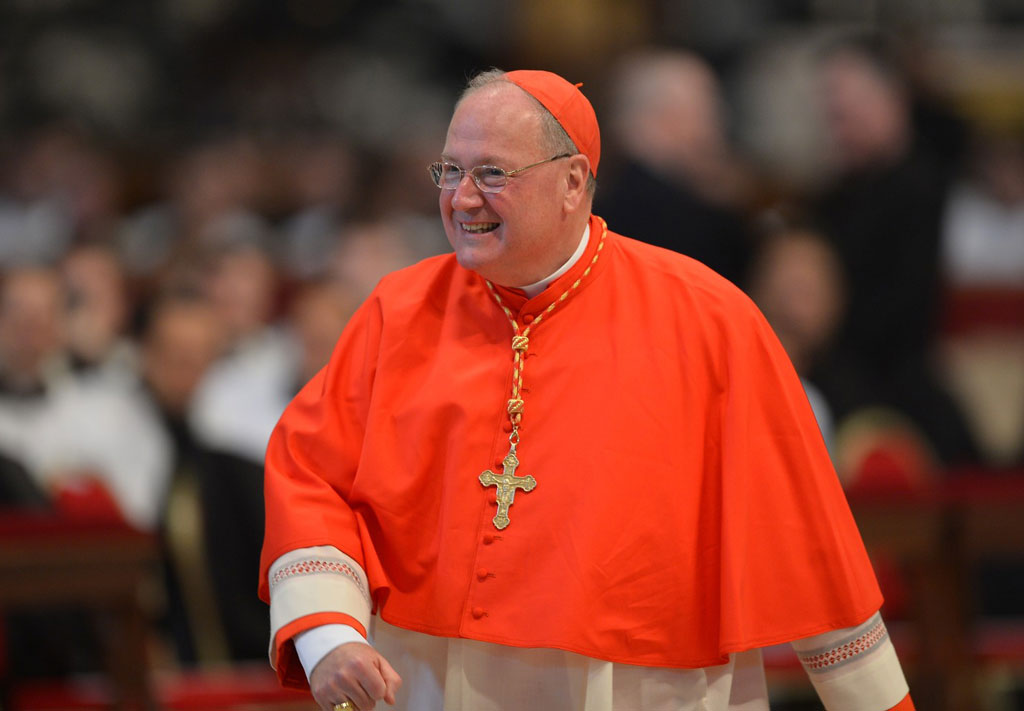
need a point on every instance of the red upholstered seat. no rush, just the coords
(239, 687)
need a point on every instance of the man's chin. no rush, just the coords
(471, 262)
(475, 262)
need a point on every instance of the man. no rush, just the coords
(567, 469)
(677, 167)
(77, 437)
(882, 211)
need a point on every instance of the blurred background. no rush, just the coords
(196, 194)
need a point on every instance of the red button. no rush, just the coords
(488, 539)
(481, 573)
(528, 318)
(478, 612)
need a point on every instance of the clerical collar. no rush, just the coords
(531, 290)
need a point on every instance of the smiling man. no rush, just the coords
(559, 469)
(522, 235)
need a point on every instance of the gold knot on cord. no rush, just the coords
(515, 406)
(520, 343)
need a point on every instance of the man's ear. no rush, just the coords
(576, 181)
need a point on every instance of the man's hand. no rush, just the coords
(356, 672)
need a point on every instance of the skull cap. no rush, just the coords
(568, 105)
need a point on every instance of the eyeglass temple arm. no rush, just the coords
(532, 165)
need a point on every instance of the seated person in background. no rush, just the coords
(181, 338)
(796, 281)
(70, 434)
(97, 315)
(242, 394)
(91, 449)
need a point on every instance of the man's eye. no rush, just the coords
(451, 175)
(491, 176)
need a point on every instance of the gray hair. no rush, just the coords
(556, 140)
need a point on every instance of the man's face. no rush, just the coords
(522, 234)
(31, 320)
(181, 344)
(865, 115)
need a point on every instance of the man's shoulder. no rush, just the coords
(424, 273)
(426, 287)
(425, 281)
(674, 272)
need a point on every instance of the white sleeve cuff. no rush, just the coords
(314, 644)
(854, 669)
(308, 581)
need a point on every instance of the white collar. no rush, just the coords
(538, 286)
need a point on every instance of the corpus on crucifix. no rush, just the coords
(507, 484)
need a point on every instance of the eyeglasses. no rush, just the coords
(489, 178)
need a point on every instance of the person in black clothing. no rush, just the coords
(883, 212)
(677, 185)
(212, 521)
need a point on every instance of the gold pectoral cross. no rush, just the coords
(507, 484)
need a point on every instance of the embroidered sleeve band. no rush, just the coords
(319, 579)
(854, 669)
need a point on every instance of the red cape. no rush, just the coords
(685, 505)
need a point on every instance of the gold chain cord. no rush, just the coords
(521, 341)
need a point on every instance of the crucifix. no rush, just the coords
(507, 484)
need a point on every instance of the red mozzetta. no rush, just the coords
(685, 506)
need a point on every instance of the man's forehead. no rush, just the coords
(497, 93)
(499, 100)
(493, 125)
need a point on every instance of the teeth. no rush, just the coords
(480, 227)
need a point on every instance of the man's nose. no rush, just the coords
(467, 195)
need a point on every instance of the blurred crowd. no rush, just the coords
(167, 285)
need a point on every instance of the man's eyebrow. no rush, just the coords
(486, 160)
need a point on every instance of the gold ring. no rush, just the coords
(345, 706)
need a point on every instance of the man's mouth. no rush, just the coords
(479, 228)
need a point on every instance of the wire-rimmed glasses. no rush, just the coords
(489, 178)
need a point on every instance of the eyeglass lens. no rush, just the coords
(487, 177)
